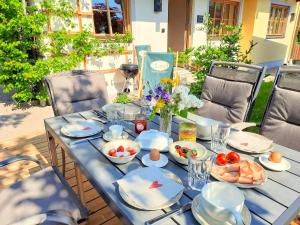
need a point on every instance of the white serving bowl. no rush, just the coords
(188, 144)
(115, 144)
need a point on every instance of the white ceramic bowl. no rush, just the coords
(204, 127)
(115, 144)
(187, 144)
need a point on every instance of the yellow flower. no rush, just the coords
(164, 80)
(176, 81)
(160, 104)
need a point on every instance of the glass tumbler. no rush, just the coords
(187, 131)
(199, 171)
(219, 135)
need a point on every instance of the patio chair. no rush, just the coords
(43, 198)
(230, 90)
(281, 121)
(156, 66)
(140, 50)
(75, 91)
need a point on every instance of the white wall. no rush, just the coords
(147, 24)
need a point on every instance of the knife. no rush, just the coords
(85, 139)
(163, 217)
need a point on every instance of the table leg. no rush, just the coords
(63, 159)
(79, 180)
(52, 149)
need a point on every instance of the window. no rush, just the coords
(223, 12)
(277, 20)
(109, 16)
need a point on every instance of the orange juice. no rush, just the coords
(187, 131)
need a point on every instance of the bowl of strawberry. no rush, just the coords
(121, 151)
(181, 150)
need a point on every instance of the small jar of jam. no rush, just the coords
(140, 123)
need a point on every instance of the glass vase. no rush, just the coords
(165, 121)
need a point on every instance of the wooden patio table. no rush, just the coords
(275, 202)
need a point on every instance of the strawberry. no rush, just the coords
(112, 152)
(121, 148)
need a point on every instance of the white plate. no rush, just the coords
(204, 219)
(257, 151)
(81, 129)
(242, 185)
(107, 136)
(167, 204)
(159, 163)
(187, 144)
(113, 106)
(282, 166)
(204, 138)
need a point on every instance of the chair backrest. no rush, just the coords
(281, 121)
(156, 66)
(229, 91)
(140, 50)
(75, 91)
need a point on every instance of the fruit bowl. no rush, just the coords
(189, 147)
(121, 151)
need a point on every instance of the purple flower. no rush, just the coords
(159, 90)
(156, 97)
(149, 98)
(166, 96)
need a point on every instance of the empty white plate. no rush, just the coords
(159, 163)
(283, 165)
(82, 129)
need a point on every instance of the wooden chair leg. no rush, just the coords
(63, 159)
(52, 149)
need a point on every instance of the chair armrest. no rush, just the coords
(20, 158)
(243, 125)
(56, 216)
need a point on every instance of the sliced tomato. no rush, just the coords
(233, 157)
(121, 148)
(221, 159)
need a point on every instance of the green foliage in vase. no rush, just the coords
(28, 52)
(122, 98)
(228, 49)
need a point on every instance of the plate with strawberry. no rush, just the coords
(181, 150)
(121, 151)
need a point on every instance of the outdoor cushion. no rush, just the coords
(225, 100)
(74, 91)
(41, 192)
(282, 120)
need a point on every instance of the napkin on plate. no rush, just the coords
(149, 188)
(154, 139)
(249, 142)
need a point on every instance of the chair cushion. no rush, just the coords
(282, 120)
(225, 100)
(39, 193)
(74, 91)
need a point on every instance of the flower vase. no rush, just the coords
(165, 121)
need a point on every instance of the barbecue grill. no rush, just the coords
(129, 71)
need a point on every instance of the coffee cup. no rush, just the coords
(223, 201)
(116, 131)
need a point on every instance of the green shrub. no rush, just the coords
(25, 55)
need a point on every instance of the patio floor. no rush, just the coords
(35, 145)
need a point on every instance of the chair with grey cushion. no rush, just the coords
(43, 198)
(281, 121)
(229, 91)
(77, 90)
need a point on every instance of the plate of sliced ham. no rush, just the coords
(244, 174)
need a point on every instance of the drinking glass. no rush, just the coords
(199, 171)
(187, 131)
(219, 135)
(116, 117)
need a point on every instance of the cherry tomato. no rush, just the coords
(120, 148)
(221, 159)
(233, 157)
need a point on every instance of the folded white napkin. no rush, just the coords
(249, 142)
(154, 139)
(149, 188)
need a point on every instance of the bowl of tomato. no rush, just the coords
(121, 151)
(181, 150)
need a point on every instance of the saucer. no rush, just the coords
(159, 163)
(204, 138)
(282, 166)
(107, 136)
(204, 219)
